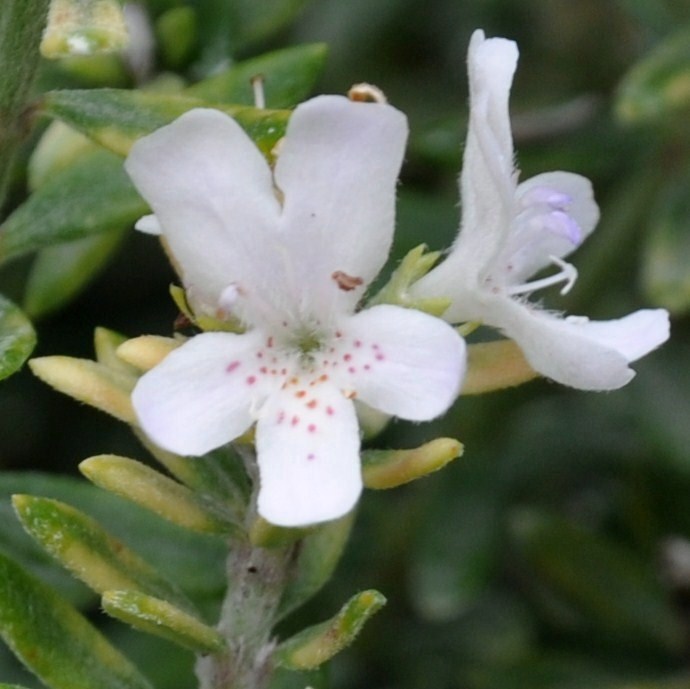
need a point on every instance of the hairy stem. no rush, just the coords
(21, 24)
(256, 578)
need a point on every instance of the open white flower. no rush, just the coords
(509, 231)
(289, 251)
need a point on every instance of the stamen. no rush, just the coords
(366, 93)
(567, 274)
(257, 82)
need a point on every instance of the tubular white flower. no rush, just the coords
(290, 252)
(509, 231)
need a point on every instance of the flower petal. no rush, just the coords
(589, 355)
(212, 192)
(148, 224)
(308, 456)
(201, 395)
(487, 181)
(401, 361)
(633, 336)
(337, 169)
(581, 210)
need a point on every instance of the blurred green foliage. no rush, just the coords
(555, 554)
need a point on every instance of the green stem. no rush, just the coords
(21, 25)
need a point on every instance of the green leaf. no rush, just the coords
(152, 490)
(92, 196)
(289, 75)
(105, 344)
(17, 338)
(319, 554)
(665, 274)
(54, 641)
(393, 468)
(258, 21)
(160, 618)
(658, 86)
(117, 118)
(227, 27)
(196, 562)
(81, 545)
(177, 35)
(90, 382)
(620, 596)
(21, 25)
(61, 272)
(315, 645)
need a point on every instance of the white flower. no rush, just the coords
(289, 251)
(509, 231)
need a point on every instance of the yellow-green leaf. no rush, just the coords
(90, 382)
(319, 554)
(61, 272)
(17, 338)
(91, 196)
(91, 554)
(392, 468)
(288, 77)
(54, 641)
(116, 118)
(494, 366)
(160, 618)
(152, 490)
(315, 645)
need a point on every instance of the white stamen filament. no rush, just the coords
(567, 274)
(257, 82)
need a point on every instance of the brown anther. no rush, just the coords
(366, 93)
(346, 282)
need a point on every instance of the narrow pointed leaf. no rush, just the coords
(495, 366)
(81, 545)
(90, 382)
(319, 554)
(105, 344)
(194, 561)
(392, 468)
(117, 118)
(147, 351)
(54, 641)
(289, 75)
(256, 22)
(91, 196)
(152, 490)
(315, 645)
(61, 272)
(177, 36)
(58, 148)
(21, 25)
(17, 338)
(160, 618)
